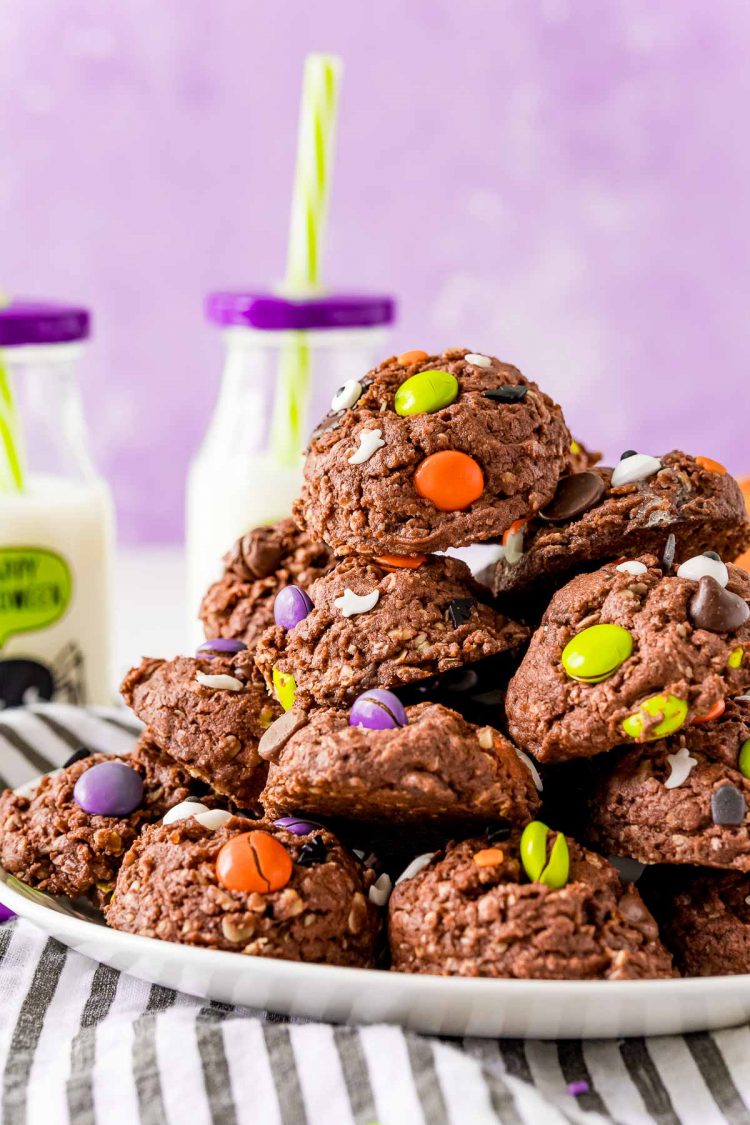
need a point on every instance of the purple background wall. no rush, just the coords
(565, 184)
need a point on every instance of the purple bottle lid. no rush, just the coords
(42, 322)
(271, 312)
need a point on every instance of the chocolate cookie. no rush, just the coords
(240, 604)
(374, 627)
(435, 769)
(428, 452)
(631, 652)
(250, 887)
(679, 800)
(50, 841)
(590, 521)
(208, 715)
(704, 919)
(472, 911)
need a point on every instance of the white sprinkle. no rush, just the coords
(478, 360)
(632, 566)
(415, 867)
(350, 603)
(535, 775)
(184, 810)
(680, 764)
(369, 442)
(380, 891)
(747, 899)
(636, 468)
(221, 683)
(701, 566)
(347, 395)
(214, 818)
(513, 549)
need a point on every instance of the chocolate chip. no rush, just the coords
(575, 495)
(193, 800)
(458, 680)
(255, 555)
(712, 555)
(507, 393)
(280, 731)
(314, 851)
(332, 421)
(716, 609)
(460, 609)
(497, 834)
(77, 756)
(628, 453)
(728, 805)
(669, 549)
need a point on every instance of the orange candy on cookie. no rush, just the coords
(451, 480)
(400, 562)
(407, 358)
(715, 712)
(253, 861)
(711, 466)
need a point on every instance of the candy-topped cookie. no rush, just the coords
(260, 564)
(429, 452)
(381, 762)
(531, 905)
(599, 514)
(69, 837)
(370, 623)
(632, 652)
(273, 890)
(682, 799)
(207, 713)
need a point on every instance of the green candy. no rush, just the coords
(673, 711)
(285, 687)
(426, 392)
(744, 760)
(735, 657)
(534, 856)
(597, 653)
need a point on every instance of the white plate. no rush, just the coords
(435, 1005)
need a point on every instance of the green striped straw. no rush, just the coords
(11, 458)
(312, 189)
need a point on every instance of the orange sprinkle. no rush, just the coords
(710, 465)
(407, 358)
(489, 857)
(716, 712)
(400, 562)
(516, 526)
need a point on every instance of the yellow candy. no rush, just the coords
(736, 657)
(285, 688)
(596, 653)
(673, 713)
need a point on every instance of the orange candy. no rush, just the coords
(488, 857)
(407, 358)
(400, 562)
(716, 712)
(710, 465)
(253, 861)
(451, 480)
(744, 483)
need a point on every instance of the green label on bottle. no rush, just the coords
(35, 590)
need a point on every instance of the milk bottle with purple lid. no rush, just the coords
(56, 517)
(285, 358)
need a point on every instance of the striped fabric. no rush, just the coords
(84, 1043)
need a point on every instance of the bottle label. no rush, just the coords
(35, 590)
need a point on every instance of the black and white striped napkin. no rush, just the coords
(84, 1043)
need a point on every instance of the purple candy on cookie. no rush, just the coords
(216, 645)
(109, 789)
(291, 606)
(296, 826)
(378, 709)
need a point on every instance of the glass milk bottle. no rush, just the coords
(284, 360)
(56, 517)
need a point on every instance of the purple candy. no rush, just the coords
(217, 645)
(5, 914)
(295, 825)
(291, 606)
(109, 789)
(575, 1089)
(378, 710)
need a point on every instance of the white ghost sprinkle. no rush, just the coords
(478, 360)
(370, 441)
(632, 566)
(536, 777)
(380, 891)
(680, 764)
(415, 867)
(221, 683)
(637, 467)
(350, 603)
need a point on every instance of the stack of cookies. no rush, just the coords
(379, 759)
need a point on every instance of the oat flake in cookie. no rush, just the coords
(407, 636)
(628, 658)
(584, 527)
(261, 563)
(301, 900)
(463, 450)
(657, 803)
(436, 770)
(207, 714)
(51, 842)
(473, 911)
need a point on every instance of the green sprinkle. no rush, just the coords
(534, 856)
